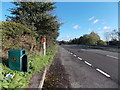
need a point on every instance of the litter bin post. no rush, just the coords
(18, 60)
(44, 46)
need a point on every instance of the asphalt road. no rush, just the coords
(90, 68)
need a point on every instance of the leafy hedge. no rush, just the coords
(17, 36)
(11, 29)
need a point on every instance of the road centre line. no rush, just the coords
(88, 63)
(112, 56)
(102, 72)
(79, 58)
(107, 75)
(74, 55)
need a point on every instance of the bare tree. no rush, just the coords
(114, 35)
(107, 37)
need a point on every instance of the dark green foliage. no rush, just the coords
(62, 42)
(38, 17)
(11, 30)
(17, 36)
(114, 42)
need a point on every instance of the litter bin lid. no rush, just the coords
(16, 50)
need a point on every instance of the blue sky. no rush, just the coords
(81, 18)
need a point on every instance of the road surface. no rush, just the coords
(90, 68)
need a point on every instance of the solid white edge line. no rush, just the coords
(75, 55)
(112, 56)
(43, 79)
(107, 75)
(88, 63)
(79, 58)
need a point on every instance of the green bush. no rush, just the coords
(100, 42)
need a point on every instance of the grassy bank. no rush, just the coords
(21, 79)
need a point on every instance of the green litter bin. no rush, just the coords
(18, 60)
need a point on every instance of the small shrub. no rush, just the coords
(100, 42)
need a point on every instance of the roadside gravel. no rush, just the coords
(56, 76)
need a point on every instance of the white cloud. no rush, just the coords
(106, 27)
(91, 18)
(95, 21)
(76, 27)
(65, 38)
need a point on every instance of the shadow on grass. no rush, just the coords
(4, 61)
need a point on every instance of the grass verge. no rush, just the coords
(21, 79)
(102, 48)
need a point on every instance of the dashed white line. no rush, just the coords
(107, 75)
(112, 56)
(79, 58)
(74, 55)
(88, 63)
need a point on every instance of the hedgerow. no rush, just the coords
(11, 29)
(17, 36)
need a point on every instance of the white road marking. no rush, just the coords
(88, 63)
(107, 75)
(71, 53)
(79, 58)
(83, 49)
(112, 56)
(75, 55)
